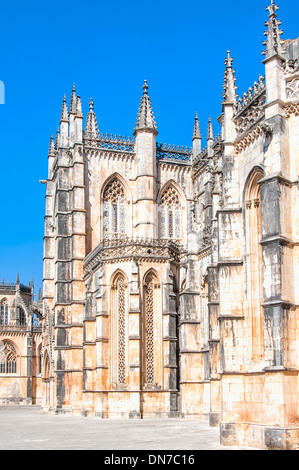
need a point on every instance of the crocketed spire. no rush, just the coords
(91, 130)
(210, 134)
(196, 129)
(145, 118)
(73, 104)
(64, 111)
(229, 93)
(51, 146)
(273, 43)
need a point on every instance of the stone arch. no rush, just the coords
(8, 357)
(171, 208)
(254, 263)
(119, 323)
(151, 330)
(116, 207)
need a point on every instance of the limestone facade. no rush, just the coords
(170, 273)
(20, 344)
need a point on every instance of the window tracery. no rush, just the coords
(8, 358)
(121, 304)
(4, 313)
(22, 317)
(151, 284)
(114, 208)
(170, 214)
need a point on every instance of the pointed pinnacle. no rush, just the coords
(145, 117)
(210, 134)
(73, 100)
(229, 87)
(273, 43)
(57, 138)
(52, 145)
(196, 128)
(78, 106)
(91, 130)
(64, 112)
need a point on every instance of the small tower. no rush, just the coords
(146, 168)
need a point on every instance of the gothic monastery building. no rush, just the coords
(171, 274)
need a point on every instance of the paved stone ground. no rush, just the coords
(28, 428)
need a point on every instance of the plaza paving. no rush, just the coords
(28, 428)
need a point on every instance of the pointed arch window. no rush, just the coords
(4, 313)
(119, 330)
(150, 335)
(22, 317)
(254, 262)
(114, 208)
(8, 358)
(170, 214)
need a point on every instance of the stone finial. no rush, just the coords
(145, 117)
(73, 103)
(64, 111)
(273, 43)
(57, 140)
(91, 130)
(229, 93)
(196, 128)
(51, 145)
(210, 135)
(40, 297)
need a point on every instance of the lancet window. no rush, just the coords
(114, 208)
(8, 358)
(4, 313)
(170, 214)
(254, 261)
(119, 330)
(150, 304)
(22, 317)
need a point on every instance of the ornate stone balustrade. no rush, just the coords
(112, 142)
(174, 153)
(115, 248)
(250, 108)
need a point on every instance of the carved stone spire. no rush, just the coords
(57, 139)
(273, 43)
(73, 104)
(145, 118)
(196, 138)
(91, 130)
(64, 111)
(78, 106)
(229, 93)
(210, 135)
(51, 146)
(196, 128)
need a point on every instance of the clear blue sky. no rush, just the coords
(108, 49)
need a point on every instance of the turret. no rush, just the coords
(145, 134)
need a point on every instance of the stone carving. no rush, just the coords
(292, 88)
(250, 108)
(120, 286)
(172, 152)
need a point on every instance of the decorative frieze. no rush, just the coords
(115, 249)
